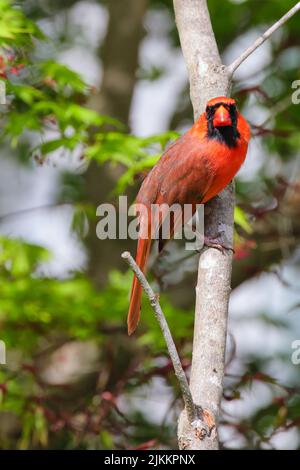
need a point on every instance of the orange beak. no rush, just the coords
(222, 117)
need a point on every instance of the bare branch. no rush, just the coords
(191, 409)
(209, 78)
(259, 41)
(29, 210)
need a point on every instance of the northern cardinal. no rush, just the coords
(194, 169)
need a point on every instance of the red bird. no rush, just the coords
(194, 169)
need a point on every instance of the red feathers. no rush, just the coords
(193, 170)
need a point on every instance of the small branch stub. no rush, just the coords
(261, 39)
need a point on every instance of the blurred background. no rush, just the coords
(95, 90)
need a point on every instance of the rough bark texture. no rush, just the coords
(119, 55)
(208, 78)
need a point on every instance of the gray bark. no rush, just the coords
(120, 61)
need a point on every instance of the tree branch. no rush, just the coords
(259, 41)
(209, 78)
(192, 412)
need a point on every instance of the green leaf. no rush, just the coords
(26, 93)
(63, 76)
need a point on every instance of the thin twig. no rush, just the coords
(191, 409)
(27, 210)
(237, 62)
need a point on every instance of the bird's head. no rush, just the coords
(221, 111)
(222, 117)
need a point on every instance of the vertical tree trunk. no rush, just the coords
(208, 78)
(120, 62)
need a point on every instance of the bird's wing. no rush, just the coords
(181, 176)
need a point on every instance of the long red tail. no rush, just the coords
(142, 254)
